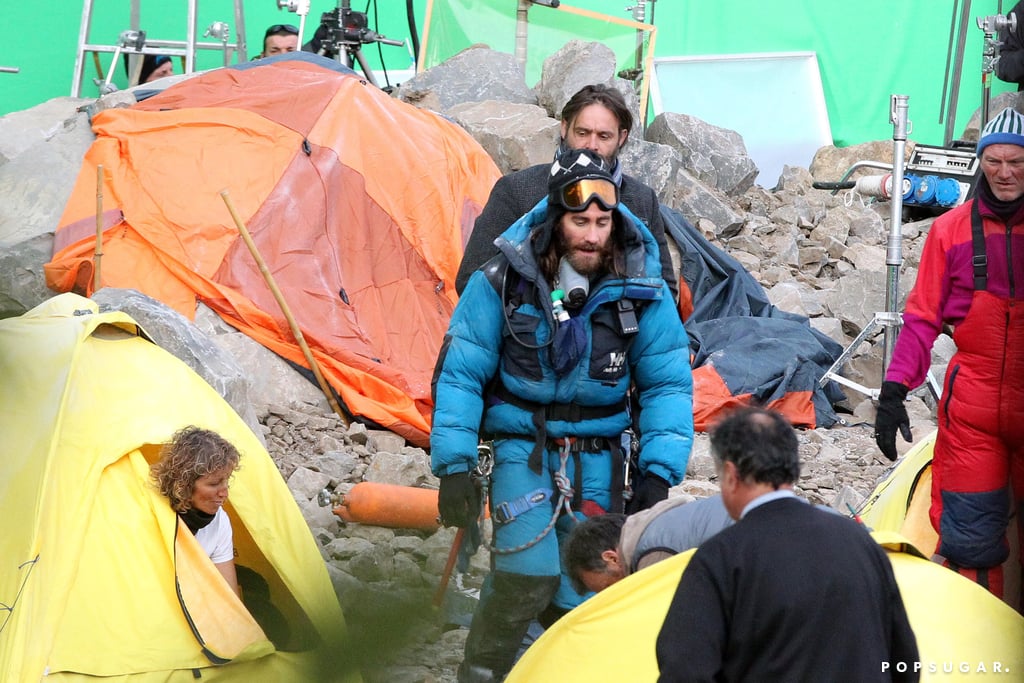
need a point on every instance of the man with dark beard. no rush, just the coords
(546, 377)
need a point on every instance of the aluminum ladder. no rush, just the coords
(134, 43)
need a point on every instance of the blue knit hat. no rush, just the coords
(1006, 128)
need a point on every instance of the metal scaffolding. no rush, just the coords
(135, 43)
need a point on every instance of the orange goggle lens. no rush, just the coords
(576, 196)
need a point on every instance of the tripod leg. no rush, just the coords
(364, 66)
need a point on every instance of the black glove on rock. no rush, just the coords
(457, 500)
(890, 416)
(652, 490)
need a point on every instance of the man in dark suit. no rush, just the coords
(595, 118)
(788, 593)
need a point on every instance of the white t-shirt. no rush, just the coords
(215, 538)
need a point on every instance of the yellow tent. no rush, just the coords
(96, 578)
(963, 631)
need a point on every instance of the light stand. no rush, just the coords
(300, 7)
(990, 55)
(522, 21)
(889, 319)
(894, 247)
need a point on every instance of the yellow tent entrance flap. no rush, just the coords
(228, 632)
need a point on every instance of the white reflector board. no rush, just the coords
(773, 99)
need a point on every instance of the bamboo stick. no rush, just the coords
(313, 364)
(98, 252)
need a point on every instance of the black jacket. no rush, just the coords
(515, 194)
(788, 593)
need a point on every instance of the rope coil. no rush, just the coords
(565, 494)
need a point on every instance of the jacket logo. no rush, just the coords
(616, 359)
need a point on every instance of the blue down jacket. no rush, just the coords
(485, 340)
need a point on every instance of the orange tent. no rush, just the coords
(359, 204)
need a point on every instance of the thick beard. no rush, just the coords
(589, 268)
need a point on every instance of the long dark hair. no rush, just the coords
(604, 95)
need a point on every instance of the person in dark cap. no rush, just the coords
(153, 67)
(279, 39)
(971, 277)
(545, 376)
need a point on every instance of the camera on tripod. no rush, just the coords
(344, 30)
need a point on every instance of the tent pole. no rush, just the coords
(98, 253)
(313, 365)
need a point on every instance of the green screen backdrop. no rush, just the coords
(867, 50)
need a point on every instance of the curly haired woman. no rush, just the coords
(194, 472)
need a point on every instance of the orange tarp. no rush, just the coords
(358, 203)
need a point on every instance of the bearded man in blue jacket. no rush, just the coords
(547, 377)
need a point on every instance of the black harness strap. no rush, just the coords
(979, 259)
(563, 412)
(618, 476)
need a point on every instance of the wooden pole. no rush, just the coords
(313, 365)
(98, 253)
(446, 575)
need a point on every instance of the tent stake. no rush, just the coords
(98, 254)
(313, 365)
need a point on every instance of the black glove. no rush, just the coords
(651, 490)
(457, 500)
(890, 416)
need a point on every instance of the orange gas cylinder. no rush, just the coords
(390, 505)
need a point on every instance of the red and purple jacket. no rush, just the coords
(945, 283)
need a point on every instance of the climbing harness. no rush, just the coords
(565, 494)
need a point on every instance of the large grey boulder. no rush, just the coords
(831, 163)
(516, 136)
(696, 200)
(654, 165)
(972, 131)
(22, 281)
(476, 74)
(579, 63)
(20, 130)
(272, 380)
(41, 151)
(715, 156)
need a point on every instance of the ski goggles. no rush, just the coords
(577, 195)
(278, 29)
